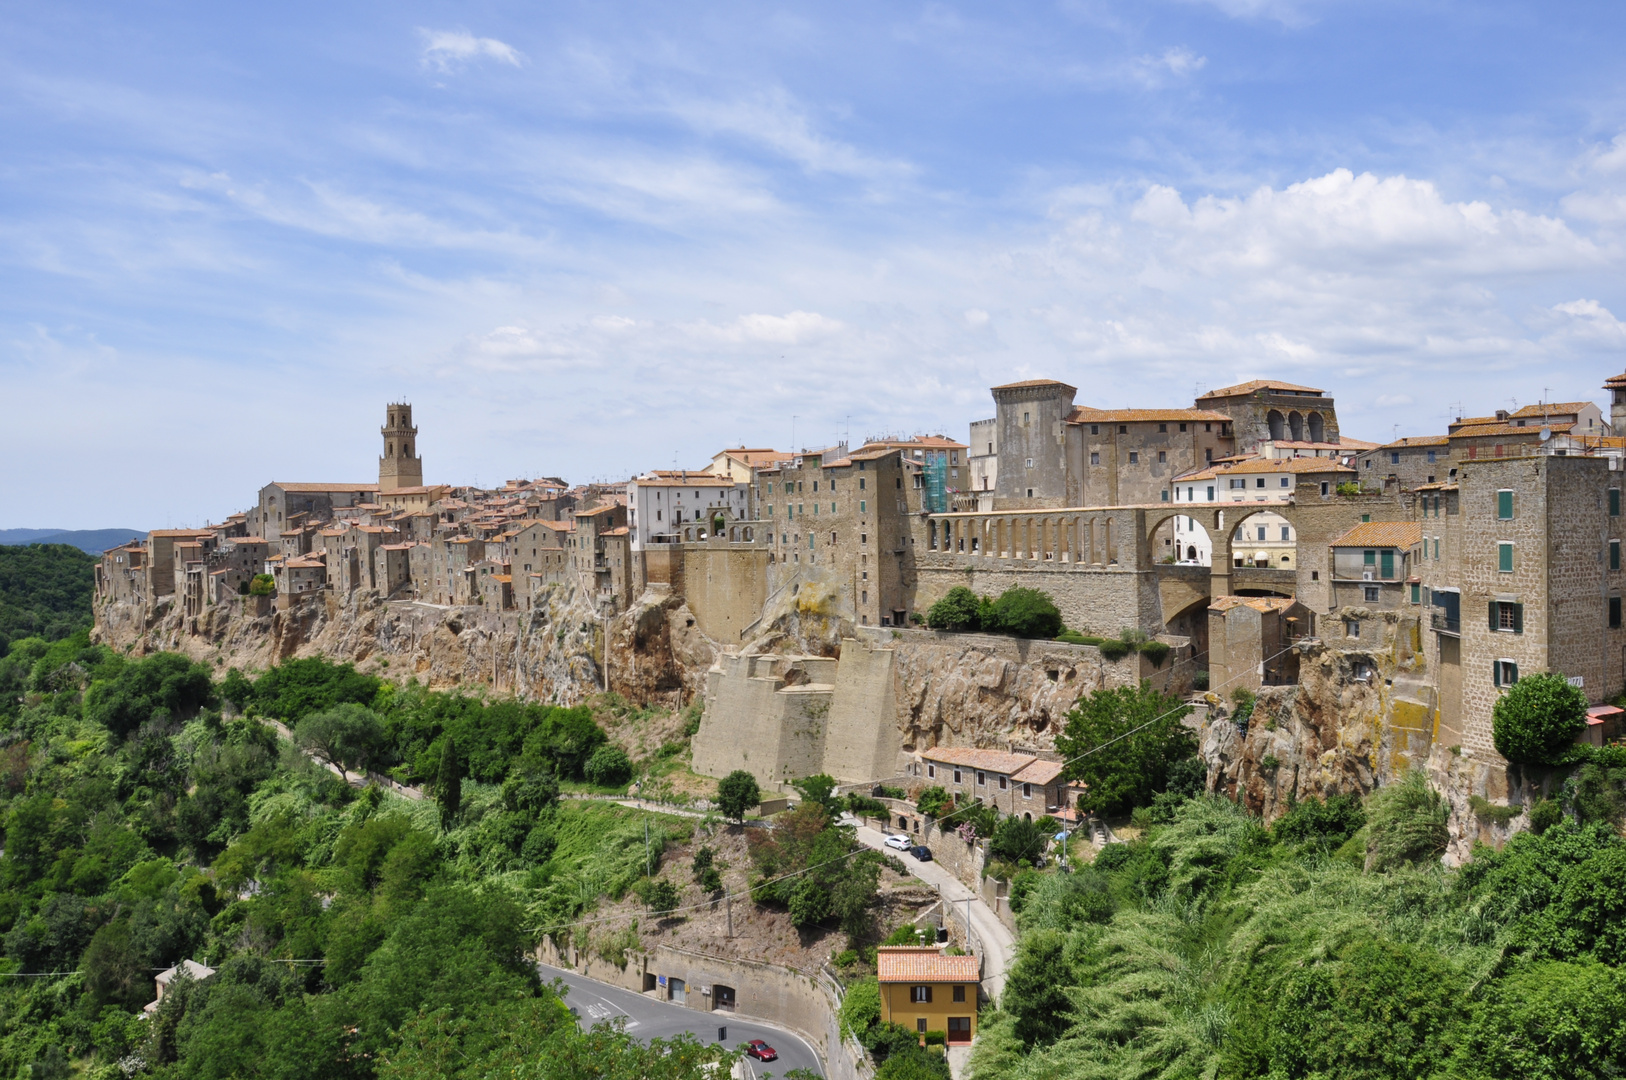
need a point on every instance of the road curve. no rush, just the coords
(650, 1019)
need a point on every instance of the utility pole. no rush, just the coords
(646, 845)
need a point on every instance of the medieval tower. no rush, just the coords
(400, 467)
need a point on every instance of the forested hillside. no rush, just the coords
(1332, 945)
(45, 592)
(353, 933)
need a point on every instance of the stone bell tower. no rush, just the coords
(1617, 404)
(400, 466)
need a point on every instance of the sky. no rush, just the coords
(591, 239)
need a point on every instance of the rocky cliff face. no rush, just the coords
(555, 653)
(1353, 723)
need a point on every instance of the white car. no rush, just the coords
(899, 842)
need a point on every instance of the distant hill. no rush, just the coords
(45, 591)
(94, 541)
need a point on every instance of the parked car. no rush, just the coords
(761, 1050)
(899, 841)
(921, 852)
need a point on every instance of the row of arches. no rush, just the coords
(1296, 426)
(1065, 538)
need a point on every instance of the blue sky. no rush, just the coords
(590, 239)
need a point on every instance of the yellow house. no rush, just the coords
(927, 991)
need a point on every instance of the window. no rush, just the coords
(920, 1025)
(982, 778)
(1259, 483)
(862, 480)
(959, 995)
(1352, 628)
(1030, 463)
(1614, 502)
(956, 776)
(1436, 548)
(1134, 458)
(1287, 533)
(1504, 505)
(1504, 557)
(1095, 458)
(1004, 783)
(1431, 456)
(1416, 593)
(1506, 617)
(1210, 492)
(863, 506)
(1095, 429)
(1237, 483)
(1371, 594)
(1027, 791)
(1324, 487)
(1162, 456)
(1504, 672)
(931, 771)
(1163, 429)
(1261, 532)
(1614, 554)
(1614, 613)
(920, 995)
(1394, 457)
(1369, 558)
(1024, 418)
(1123, 429)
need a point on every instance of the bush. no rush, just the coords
(1122, 744)
(262, 585)
(663, 896)
(1115, 649)
(608, 767)
(1348, 488)
(1156, 652)
(933, 801)
(1026, 613)
(861, 1007)
(1408, 823)
(1537, 720)
(1321, 825)
(1017, 839)
(1544, 815)
(1199, 682)
(936, 1038)
(957, 610)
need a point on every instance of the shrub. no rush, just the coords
(1323, 825)
(1544, 815)
(262, 585)
(1017, 839)
(845, 958)
(1537, 720)
(1270, 763)
(1122, 743)
(861, 1008)
(1348, 488)
(1408, 823)
(1073, 637)
(863, 805)
(1486, 810)
(662, 896)
(936, 1038)
(1026, 613)
(957, 610)
(933, 801)
(608, 767)
(1199, 681)
(1156, 652)
(1114, 649)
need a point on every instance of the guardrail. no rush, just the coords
(1440, 621)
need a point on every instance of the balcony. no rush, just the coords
(1445, 623)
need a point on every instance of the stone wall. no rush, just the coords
(861, 742)
(806, 1004)
(725, 585)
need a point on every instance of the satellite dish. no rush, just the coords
(1546, 433)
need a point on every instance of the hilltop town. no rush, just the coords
(1386, 594)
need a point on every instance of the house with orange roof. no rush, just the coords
(926, 990)
(1015, 784)
(678, 506)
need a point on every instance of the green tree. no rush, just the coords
(1017, 839)
(262, 585)
(1547, 1021)
(608, 767)
(664, 896)
(449, 783)
(164, 686)
(1035, 992)
(294, 689)
(237, 689)
(957, 610)
(819, 789)
(1536, 721)
(346, 736)
(1122, 743)
(736, 793)
(1025, 613)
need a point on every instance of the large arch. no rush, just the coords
(1295, 426)
(1277, 425)
(1318, 429)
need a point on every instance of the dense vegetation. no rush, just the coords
(1021, 612)
(1330, 945)
(353, 933)
(45, 592)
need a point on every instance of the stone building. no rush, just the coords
(982, 457)
(1266, 410)
(669, 507)
(281, 502)
(1409, 462)
(1016, 785)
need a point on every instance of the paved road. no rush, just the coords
(999, 944)
(651, 1019)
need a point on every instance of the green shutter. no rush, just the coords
(1504, 558)
(1518, 618)
(1496, 672)
(1493, 620)
(1370, 558)
(1512, 674)
(1614, 502)
(1504, 505)
(1614, 554)
(1416, 594)
(1386, 569)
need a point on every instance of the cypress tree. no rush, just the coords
(449, 783)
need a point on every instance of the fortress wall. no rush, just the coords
(862, 739)
(725, 586)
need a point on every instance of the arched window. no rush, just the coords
(389, 449)
(1317, 428)
(1295, 425)
(1274, 419)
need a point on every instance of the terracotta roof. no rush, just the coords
(1615, 382)
(756, 456)
(194, 533)
(1416, 440)
(622, 531)
(1395, 534)
(1467, 431)
(1288, 465)
(1257, 384)
(988, 760)
(1025, 383)
(1552, 408)
(669, 478)
(1039, 772)
(1435, 487)
(1357, 445)
(923, 964)
(923, 442)
(1084, 414)
(323, 487)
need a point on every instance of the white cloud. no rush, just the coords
(1177, 62)
(1390, 401)
(772, 118)
(444, 50)
(794, 328)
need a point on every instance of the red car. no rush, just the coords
(761, 1050)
